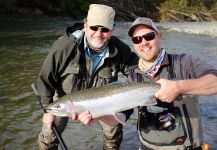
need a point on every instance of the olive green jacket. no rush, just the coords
(67, 68)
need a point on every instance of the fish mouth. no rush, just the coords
(52, 111)
(57, 112)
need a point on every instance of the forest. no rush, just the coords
(126, 10)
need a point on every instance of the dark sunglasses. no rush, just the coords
(100, 28)
(148, 37)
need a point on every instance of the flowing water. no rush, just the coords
(24, 44)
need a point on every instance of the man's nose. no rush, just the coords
(98, 32)
(144, 41)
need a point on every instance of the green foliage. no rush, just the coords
(69, 8)
(76, 8)
(190, 10)
(7, 6)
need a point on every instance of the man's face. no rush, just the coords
(96, 39)
(149, 47)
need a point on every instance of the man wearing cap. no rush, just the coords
(173, 123)
(86, 57)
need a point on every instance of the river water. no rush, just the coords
(24, 43)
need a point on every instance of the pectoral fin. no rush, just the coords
(149, 101)
(120, 117)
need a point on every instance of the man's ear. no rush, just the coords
(159, 36)
(85, 27)
(112, 29)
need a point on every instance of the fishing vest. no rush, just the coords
(170, 126)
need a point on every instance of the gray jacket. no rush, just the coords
(182, 129)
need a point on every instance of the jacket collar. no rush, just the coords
(113, 51)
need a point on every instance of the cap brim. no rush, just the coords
(132, 28)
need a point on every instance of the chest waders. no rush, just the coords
(173, 126)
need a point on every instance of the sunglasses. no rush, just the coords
(100, 28)
(148, 37)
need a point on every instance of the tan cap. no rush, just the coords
(142, 21)
(99, 14)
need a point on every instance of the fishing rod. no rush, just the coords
(54, 127)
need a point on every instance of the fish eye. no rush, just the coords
(58, 106)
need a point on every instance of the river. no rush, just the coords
(24, 43)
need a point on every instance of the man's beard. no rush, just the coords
(97, 45)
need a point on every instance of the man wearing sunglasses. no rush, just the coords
(86, 57)
(173, 123)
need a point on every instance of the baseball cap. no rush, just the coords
(102, 15)
(142, 21)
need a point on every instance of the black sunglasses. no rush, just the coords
(148, 37)
(100, 28)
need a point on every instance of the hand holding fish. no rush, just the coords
(169, 90)
(85, 118)
(48, 120)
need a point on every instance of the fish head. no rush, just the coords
(59, 109)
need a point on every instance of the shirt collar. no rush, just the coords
(104, 52)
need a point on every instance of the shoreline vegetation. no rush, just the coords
(126, 10)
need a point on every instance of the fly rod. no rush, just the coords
(54, 128)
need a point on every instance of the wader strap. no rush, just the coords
(172, 75)
(188, 123)
(139, 78)
(170, 69)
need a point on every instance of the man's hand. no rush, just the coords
(85, 118)
(48, 120)
(169, 90)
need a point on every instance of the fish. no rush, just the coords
(106, 100)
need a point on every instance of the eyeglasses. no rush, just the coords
(148, 37)
(100, 28)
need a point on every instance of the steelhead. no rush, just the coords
(106, 100)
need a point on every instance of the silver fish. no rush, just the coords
(106, 100)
